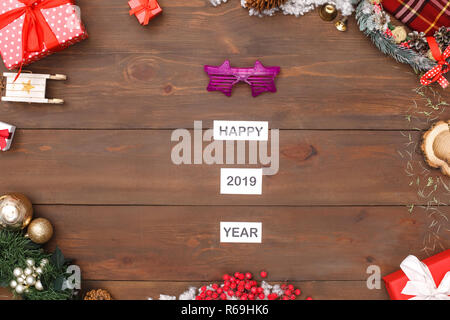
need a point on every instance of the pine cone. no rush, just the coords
(442, 37)
(418, 42)
(98, 294)
(261, 5)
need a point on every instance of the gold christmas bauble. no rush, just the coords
(16, 211)
(328, 12)
(40, 231)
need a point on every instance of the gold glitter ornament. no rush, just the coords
(40, 231)
(341, 25)
(16, 211)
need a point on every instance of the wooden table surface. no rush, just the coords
(99, 166)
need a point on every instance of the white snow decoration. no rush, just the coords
(166, 297)
(299, 7)
(189, 295)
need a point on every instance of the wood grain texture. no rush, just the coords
(129, 76)
(99, 166)
(142, 290)
(182, 243)
(135, 167)
(319, 290)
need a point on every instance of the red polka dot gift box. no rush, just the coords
(33, 29)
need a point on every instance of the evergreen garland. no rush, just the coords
(373, 28)
(15, 249)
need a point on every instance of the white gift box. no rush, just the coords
(8, 139)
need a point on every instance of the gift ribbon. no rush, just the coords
(4, 135)
(35, 31)
(145, 6)
(421, 284)
(437, 73)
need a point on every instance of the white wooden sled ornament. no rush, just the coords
(29, 87)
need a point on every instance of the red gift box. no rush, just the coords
(420, 15)
(33, 29)
(438, 265)
(144, 10)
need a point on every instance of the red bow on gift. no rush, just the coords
(35, 32)
(437, 73)
(146, 6)
(4, 135)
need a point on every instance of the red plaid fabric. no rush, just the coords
(420, 15)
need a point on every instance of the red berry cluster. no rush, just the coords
(243, 287)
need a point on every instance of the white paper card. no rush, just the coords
(240, 181)
(241, 130)
(241, 232)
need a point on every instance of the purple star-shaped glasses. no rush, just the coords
(260, 78)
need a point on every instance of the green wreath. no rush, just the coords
(394, 41)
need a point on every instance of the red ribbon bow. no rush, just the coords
(146, 6)
(35, 32)
(437, 73)
(4, 135)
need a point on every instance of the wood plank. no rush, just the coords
(142, 290)
(135, 167)
(179, 243)
(131, 76)
(319, 290)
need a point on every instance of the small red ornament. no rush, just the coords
(226, 277)
(297, 292)
(272, 296)
(263, 274)
(309, 298)
(248, 275)
(230, 293)
(261, 296)
(223, 296)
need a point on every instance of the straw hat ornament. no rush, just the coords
(436, 146)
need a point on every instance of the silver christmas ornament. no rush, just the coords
(30, 280)
(38, 285)
(13, 284)
(28, 277)
(30, 262)
(43, 262)
(18, 272)
(19, 289)
(27, 271)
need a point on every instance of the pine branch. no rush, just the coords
(365, 19)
